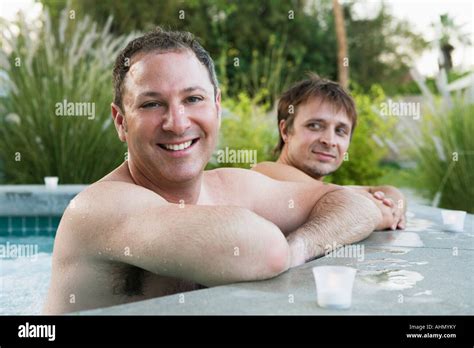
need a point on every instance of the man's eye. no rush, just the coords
(341, 131)
(194, 99)
(150, 105)
(314, 126)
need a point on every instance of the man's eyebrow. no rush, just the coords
(322, 120)
(343, 124)
(193, 88)
(158, 94)
(149, 94)
(316, 120)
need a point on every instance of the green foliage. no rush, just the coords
(380, 50)
(246, 126)
(46, 65)
(363, 165)
(266, 36)
(444, 152)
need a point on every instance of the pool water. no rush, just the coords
(24, 275)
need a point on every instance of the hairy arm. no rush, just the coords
(311, 214)
(338, 218)
(387, 198)
(210, 245)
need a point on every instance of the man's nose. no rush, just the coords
(328, 138)
(177, 121)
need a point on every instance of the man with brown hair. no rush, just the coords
(316, 120)
(159, 224)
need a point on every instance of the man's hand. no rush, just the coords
(393, 216)
(390, 213)
(399, 217)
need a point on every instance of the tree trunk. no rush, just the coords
(342, 56)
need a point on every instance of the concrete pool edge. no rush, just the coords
(443, 289)
(32, 200)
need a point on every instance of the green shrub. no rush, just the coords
(443, 146)
(246, 126)
(444, 153)
(45, 65)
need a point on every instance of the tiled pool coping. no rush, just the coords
(33, 210)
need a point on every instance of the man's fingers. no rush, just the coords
(379, 195)
(388, 202)
(402, 223)
(397, 216)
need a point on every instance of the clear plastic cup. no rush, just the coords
(453, 220)
(334, 286)
(51, 182)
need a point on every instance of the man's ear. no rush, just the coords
(119, 122)
(219, 106)
(283, 130)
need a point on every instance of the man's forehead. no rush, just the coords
(316, 108)
(160, 72)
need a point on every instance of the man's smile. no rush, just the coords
(179, 147)
(324, 156)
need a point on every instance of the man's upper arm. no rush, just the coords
(287, 204)
(124, 223)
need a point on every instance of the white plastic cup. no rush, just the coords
(453, 220)
(334, 286)
(51, 182)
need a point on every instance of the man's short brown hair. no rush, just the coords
(163, 41)
(326, 91)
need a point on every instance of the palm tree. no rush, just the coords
(449, 34)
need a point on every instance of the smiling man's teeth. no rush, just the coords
(177, 147)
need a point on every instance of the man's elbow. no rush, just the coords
(278, 257)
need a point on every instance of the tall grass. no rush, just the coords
(41, 66)
(443, 148)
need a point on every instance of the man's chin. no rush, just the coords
(320, 171)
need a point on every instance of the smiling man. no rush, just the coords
(159, 224)
(316, 119)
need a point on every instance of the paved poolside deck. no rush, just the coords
(423, 270)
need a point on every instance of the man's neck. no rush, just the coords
(179, 193)
(285, 159)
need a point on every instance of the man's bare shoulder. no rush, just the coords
(282, 172)
(116, 189)
(237, 176)
(100, 209)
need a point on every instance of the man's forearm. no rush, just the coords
(340, 217)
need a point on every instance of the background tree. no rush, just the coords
(288, 39)
(449, 34)
(342, 57)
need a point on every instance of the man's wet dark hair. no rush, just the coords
(162, 41)
(326, 91)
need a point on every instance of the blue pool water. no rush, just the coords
(25, 272)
